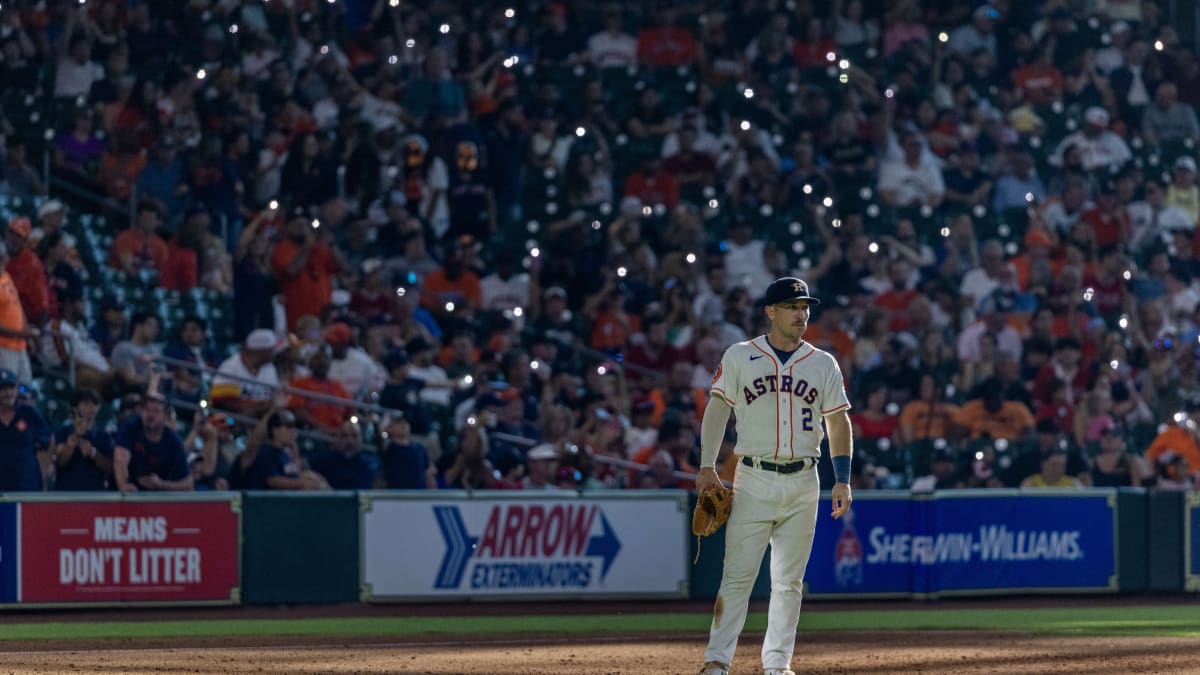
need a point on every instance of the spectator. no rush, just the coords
(1113, 466)
(852, 28)
(83, 458)
(1153, 219)
(206, 464)
(308, 173)
(612, 47)
(17, 176)
(352, 367)
(406, 464)
(311, 412)
(372, 298)
(980, 34)
(967, 186)
(435, 93)
(1053, 473)
(659, 473)
(691, 168)
(991, 416)
(541, 464)
(120, 165)
(402, 392)
(63, 276)
(76, 72)
(928, 417)
(162, 177)
(247, 381)
(14, 328)
(1179, 439)
(77, 151)
(304, 263)
(148, 455)
(344, 465)
(943, 474)
(665, 44)
(470, 469)
(1168, 120)
(139, 248)
(25, 440)
(1019, 186)
(453, 284)
(191, 345)
(27, 272)
(131, 359)
(275, 465)
(1040, 81)
(652, 185)
(436, 386)
(1182, 192)
(873, 422)
(1174, 472)
(67, 339)
(1099, 147)
(995, 311)
(912, 180)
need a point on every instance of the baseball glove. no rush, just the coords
(712, 510)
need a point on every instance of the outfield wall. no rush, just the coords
(264, 548)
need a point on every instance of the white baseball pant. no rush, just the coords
(767, 507)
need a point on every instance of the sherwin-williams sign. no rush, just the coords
(964, 542)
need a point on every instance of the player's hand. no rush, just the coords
(707, 478)
(129, 488)
(150, 481)
(841, 499)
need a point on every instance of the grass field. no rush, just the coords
(1169, 621)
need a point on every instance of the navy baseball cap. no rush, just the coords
(7, 377)
(786, 289)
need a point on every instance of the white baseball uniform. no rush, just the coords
(779, 407)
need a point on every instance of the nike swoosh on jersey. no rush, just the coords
(756, 357)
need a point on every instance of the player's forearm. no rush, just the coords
(712, 430)
(841, 436)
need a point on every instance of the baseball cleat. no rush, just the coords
(778, 671)
(714, 668)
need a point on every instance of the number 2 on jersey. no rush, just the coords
(806, 421)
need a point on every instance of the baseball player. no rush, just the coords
(780, 388)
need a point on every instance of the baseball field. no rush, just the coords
(1010, 635)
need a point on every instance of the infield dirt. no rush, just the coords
(934, 652)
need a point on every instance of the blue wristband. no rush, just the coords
(841, 468)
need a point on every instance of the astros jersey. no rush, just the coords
(779, 406)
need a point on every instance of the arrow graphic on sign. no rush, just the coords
(604, 545)
(460, 546)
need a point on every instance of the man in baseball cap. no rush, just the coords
(786, 289)
(246, 381)
(788, 395)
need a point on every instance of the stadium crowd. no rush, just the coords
(529, 230)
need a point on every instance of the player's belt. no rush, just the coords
(789, 467)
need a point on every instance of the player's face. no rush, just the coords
(789, 319)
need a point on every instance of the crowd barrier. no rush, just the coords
(266, 548)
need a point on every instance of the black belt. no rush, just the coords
(790, 467)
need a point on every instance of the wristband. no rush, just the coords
(841, 468)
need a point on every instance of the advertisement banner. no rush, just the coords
(1191, 542)
(10, 555)
(131, 551)
(536, 547)
(957, 543)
